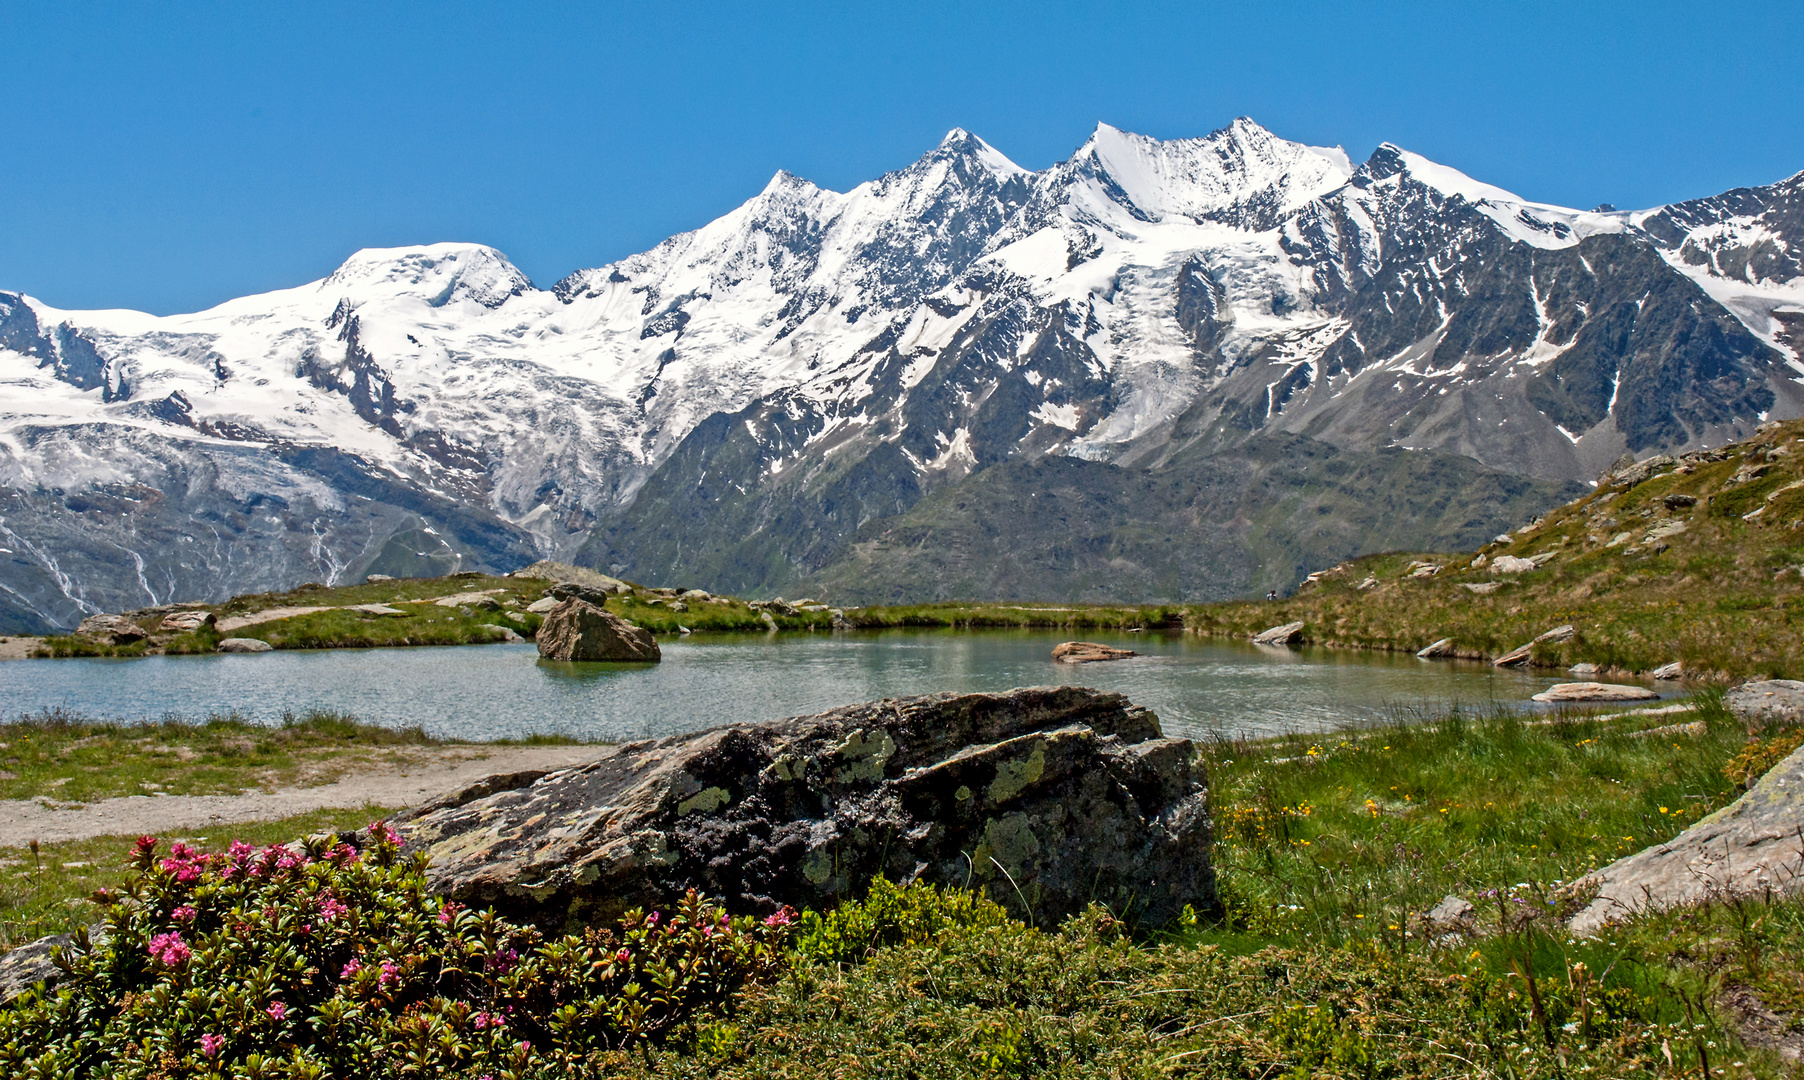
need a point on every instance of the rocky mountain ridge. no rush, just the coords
(815, 363)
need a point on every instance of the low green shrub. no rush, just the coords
(913, 914)
(320, 959)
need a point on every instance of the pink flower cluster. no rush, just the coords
(351, 968)
(184, 863)
(210, 1044)
(169, 949)
(382, 833)
(487, 1020)
(183, 914)
(391, 973)
(783, 917)
(277, 1011)
(330, 907)
(503, 962)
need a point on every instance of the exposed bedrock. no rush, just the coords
(1046, 798)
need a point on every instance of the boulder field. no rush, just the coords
(1047, 798)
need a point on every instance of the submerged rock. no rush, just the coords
(1749, 848)
(578, 630)
(1047, 798)
(1595, 691)
(1088, 652)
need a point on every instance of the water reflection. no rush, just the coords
(1198, 687)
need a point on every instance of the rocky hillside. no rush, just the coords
(1695, 559)
(815, 364)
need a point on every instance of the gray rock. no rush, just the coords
(186, 622)
(1517, 655)
(1047, 798)
(244, 645)
(579, 630)
(372, 579)
(1642, 470)
(1482, 588)
(1441, 648)
(1453, 915)
(1680, 502)
(565, 573)
(1279, 635)
(1595, 691)
(1582, 669)
(1752, 847)
(1557, 635)
(27, 965)
(570, 590)
(1674, 670)
(112, 629)
(1510, 564)
(542, 605)
(1087, 652)
(1769, 701)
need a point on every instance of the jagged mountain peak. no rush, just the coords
(1392, 160)
(439, 274)
(1240, 174)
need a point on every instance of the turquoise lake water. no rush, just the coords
(1198, 687)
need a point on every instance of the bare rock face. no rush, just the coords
(1767, 701)
(1595, 691)
(1437, 650)
(112, 629)
(1752, 847)
(183, 622)
(1047, 798)
(1088, 652)
(1279, 635)
(578, 630)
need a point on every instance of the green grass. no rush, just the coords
(76, 759)
(48, 893)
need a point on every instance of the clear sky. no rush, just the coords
(167, 156)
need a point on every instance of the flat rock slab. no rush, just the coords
(1753, 845)
(1595, 691)
(243, 645)
(1047, 798)
(1443, 647)
(1088, 652)
(239, 622)
(1279, 635)
(1769, 701)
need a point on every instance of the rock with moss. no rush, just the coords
(1047, 798)
(1754, 847)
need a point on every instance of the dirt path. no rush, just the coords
(416, 776)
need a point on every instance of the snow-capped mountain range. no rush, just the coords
(848, 353)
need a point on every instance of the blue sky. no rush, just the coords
(170, 156)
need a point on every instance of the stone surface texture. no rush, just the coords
(1047, 798)
(1279, 635)
(579, 630)
(243, 645)
(1443, 647)
(112, 629)
(1750, 847)
(1088, 652)
(1768, 701)
(1595, 691)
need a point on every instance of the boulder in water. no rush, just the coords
(1087, 652)
(579, 630)
(1595, 691)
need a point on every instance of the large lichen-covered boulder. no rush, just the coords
(578, 630)
(1752, 847)
(1048, 798)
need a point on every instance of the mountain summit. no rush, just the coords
(752, 404)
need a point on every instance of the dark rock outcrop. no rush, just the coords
(578, 630)
(1047, 798)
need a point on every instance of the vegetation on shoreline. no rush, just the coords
(1328, 850)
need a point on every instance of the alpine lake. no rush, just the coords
(1200, 688)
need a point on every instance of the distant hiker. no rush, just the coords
(1271, 594)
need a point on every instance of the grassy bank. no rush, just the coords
(1328, 850)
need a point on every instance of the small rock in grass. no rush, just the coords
(183, 622)
(1582, 669)
(1679, 502)
(542, 605)
(1669, 671)
(1279, 635)
(1087, 652)
(1482, 588)
(244, 645)
(374, 578)
(1595, 691)
(1509, 564)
